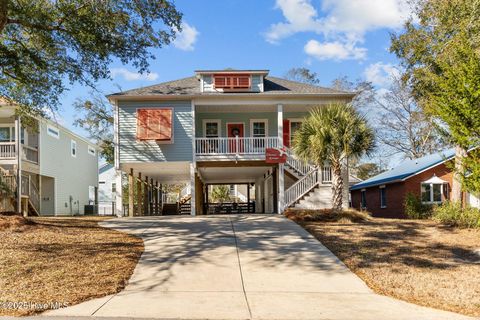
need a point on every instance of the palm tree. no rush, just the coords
(333, 134)
(220, 193)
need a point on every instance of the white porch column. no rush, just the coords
(18, 151)
(281, 188)
(118, 172)
(281, 171)
(193, 165)
(280, 124)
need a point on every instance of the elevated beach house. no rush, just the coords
(230, 127)
(52, 169)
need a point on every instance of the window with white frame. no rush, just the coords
(7, 134)
(294, 126)
(383, 197)
(54, 132)
(211, 128)
(73, 148)
(258, 128)
(91, 150)
(434, 190)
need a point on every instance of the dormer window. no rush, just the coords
(232, 81)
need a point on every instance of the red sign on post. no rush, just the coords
(273, 155)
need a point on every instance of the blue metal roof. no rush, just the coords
(406, 169)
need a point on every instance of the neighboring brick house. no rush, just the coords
(428, 177)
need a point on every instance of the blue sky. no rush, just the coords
(331, 37)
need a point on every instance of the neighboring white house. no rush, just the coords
(106, 189)
(57, 167)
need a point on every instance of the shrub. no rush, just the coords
(327, 215)
(453, 214)
(415, 209)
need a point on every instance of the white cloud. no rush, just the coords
(186, 39)
(132, 76)
(334, 50)
(343, 22)
(381, 74)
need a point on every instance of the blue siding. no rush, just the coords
(132, 150)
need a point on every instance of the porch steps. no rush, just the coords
(185, 208)
(317, 198)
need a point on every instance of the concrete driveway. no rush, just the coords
(240, 267)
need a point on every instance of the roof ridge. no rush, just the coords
(151, 86)
(308, 84)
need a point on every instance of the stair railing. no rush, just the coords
(302, 187)
(298, 165)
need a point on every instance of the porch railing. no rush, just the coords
(30, 154)
(238, 145)
(326, 174)
(8, 149)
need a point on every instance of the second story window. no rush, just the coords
(155, 124)
(231, 81)
(91, 150)
(211, 128)
(258, 128)
(74, 148)
(53, 132)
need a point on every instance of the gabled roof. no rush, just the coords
(191, 87)
(407, 169)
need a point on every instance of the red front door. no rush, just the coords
(235, 130)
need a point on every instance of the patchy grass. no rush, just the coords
(421, 262)
(61, 260)
(327, 215)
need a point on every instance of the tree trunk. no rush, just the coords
(337, 186)
(3, 14)
(460, 154)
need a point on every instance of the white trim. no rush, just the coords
(431, 192)
(10, 131)
(193, 165)
(239, 122)
(280, 125)
(73, 146)
(265, 121)
(290, 120)
(204, 127)
(51, 128)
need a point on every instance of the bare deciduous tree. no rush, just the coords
(403, 128)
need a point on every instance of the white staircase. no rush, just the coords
(308, 192)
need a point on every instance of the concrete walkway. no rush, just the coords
(240, 267)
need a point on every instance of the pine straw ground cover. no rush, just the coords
(61, 260)
(418, 261)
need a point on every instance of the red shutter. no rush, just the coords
(154, 124)
(231, 81)
(286, 133)
(142, 119)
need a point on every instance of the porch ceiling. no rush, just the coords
(231, 174)
(163, 172)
